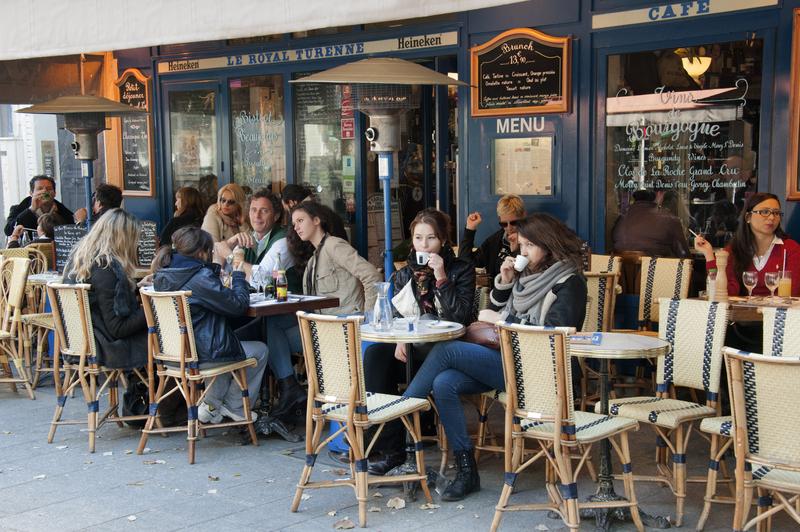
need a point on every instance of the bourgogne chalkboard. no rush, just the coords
(137, 170)
(64, 239)
(521, 71)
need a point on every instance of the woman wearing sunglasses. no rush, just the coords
(227, 217)
(758, 246)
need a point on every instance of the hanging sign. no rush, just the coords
(136, 135)
(521, 71)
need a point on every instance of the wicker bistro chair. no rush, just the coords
(601, 295)
(765, 398)
(13, 277)
(172, 357)
(781, 337)
(695, 331)
(77, 361)
(606, 263)
(536, 366)
(336, 392)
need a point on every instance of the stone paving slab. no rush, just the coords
(240, 487)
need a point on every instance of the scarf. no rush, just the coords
(228, 220)
(425, 281)
(529, 291)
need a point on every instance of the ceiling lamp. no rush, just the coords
(696, 65)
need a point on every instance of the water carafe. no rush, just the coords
(382, 314)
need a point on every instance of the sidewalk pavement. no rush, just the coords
(232, 486)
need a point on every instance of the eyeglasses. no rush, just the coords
(766, 213)
(227, 201)
(512, 223)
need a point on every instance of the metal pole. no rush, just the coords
(385, 170)
(87, 170)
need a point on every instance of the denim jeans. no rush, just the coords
(453, 369)
(226, 391)
(283, 339)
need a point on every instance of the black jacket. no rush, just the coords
(455, 296)
(120, 328)
(211, 304)
(569, 308)
(22, 215)
(184, 220)
(487, 255)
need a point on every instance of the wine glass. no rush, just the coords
(750, 280)
(257, 280)
(771, 279)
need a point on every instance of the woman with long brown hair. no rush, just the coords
(228, 216)
(188, 212)
(550, 290)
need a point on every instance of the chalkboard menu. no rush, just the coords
(521, 71)
(135, 132)
(148, 238)
(64, 239)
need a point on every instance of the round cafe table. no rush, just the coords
(616, 346)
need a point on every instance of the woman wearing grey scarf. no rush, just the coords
(550, 290)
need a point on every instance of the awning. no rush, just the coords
(45, 28)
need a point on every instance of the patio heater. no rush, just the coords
(383, 89)
(85, 117)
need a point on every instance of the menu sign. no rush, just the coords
(148, 238)
(521, 71)
(135, 131)
(64, 239)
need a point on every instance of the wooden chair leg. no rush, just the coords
(313, 435)
(679, 473)
(483, 412)
(624, 452)
(715, 460)
(417, 437)
(193, 423)
(246, 403)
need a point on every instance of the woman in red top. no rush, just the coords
(759, 245)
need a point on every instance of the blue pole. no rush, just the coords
(87, 169)
(385, 169)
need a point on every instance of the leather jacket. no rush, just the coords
(455, 296)
(211, 305)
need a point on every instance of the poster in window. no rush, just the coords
(521, 71)
(136, 135)
(523, 166)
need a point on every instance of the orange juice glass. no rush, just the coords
(785, 284)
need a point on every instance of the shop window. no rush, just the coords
(258, 138)
(684, 123)
(325, 145)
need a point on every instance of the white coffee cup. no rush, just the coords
(521, 262)
(423, 257)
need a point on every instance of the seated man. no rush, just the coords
(500, 244)
(265, 247)
(42, 200)
(105, 197)
(648, 229)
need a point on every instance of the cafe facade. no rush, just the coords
(573, 104)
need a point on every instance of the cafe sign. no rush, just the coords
(521, 71)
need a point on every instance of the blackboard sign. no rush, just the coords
(148, 238)
(521, 71)
(64, 239)
(135, 133)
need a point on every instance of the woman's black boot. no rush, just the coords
(467, 479)
(292, 397)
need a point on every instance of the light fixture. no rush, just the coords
(696, 66)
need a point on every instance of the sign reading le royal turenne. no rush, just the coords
(521, 71)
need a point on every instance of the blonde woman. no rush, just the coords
(227, 217)
(106, 259)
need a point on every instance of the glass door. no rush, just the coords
(193, 151)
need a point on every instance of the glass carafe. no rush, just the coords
(382, 314)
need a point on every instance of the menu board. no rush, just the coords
(135, 132)
(148, 242)
(64, 239)
(521, 71)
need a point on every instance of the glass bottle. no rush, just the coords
(382, 314)
(281, 286)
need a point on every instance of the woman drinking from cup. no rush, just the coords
(333, 269)
(759, 246)
(434, 284)
(549, 290)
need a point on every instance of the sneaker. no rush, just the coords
(206, 413)
(225, 411)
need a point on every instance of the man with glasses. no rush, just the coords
(42, 200)
(500, 244)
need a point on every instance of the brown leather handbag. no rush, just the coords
(483, 333)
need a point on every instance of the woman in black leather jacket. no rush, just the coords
(435, 284)
(186, 266)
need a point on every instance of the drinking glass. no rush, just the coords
(750, 280)
(785, 284)
(771, 279)
(257, 279)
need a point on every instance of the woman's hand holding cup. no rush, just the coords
(436, 263)
(507, 271)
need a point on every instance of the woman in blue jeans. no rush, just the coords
(550, 290)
